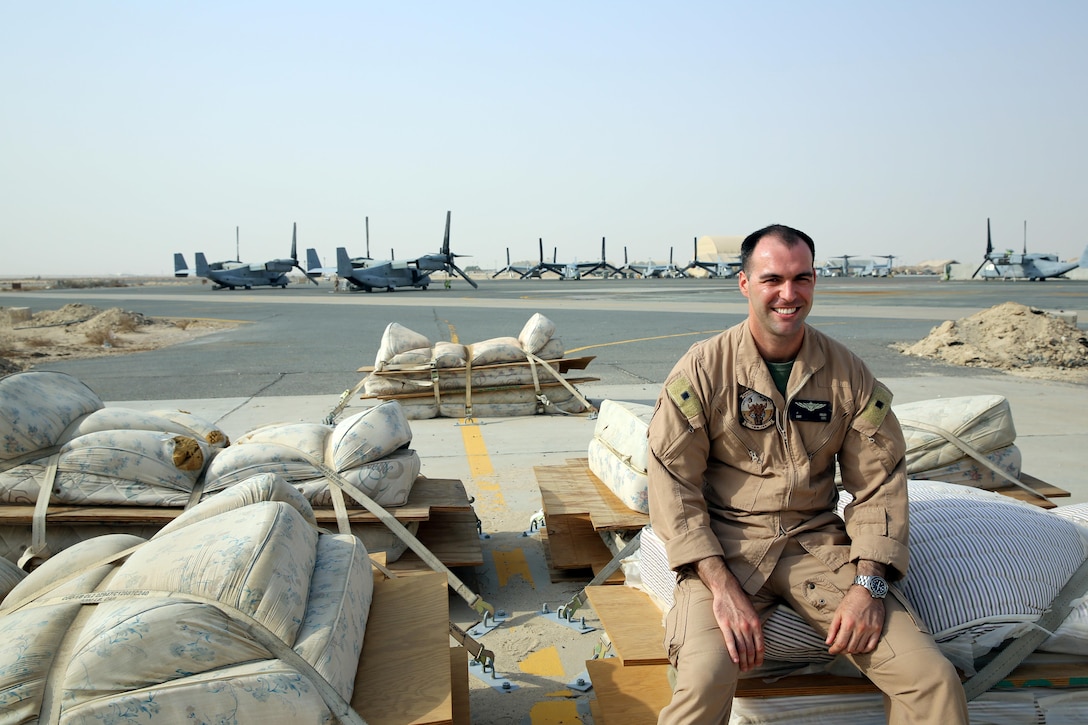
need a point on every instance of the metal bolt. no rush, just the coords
(581, 680)
(506, 685)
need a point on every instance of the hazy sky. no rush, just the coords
(133, 130)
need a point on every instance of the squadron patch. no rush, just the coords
(880, 402)
(810, 411)
(756, 410)
(683, 396)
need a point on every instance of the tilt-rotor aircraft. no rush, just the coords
(232, 274)
(712, 269)
(652, 270)
(1034, 266)
(388, 275)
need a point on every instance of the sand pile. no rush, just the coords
(78, 331)
(1011, 337)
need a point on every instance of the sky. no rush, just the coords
(133, 130)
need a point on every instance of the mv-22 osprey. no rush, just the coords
(1034, 266)
(233, 273)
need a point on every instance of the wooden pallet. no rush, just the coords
(447, 522)
(408, 672)
(632, 687)
(578, 508)
(1035, 484)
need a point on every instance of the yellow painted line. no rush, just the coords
(509, 564)
(452, 329)
(555, 712)
(544, 662)
(642, 339)
(479, 462)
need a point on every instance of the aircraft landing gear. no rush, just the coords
(390, 288)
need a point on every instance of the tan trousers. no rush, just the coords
(919, 684)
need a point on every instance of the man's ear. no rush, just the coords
(742, 282)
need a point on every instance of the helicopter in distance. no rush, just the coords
(1035, 266)
(367, 275)
(232, 274)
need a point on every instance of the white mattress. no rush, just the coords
(982, 421)
(969, 472)
(37, 407)
(153, 652)
(619, 449)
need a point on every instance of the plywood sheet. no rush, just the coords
(629, 695)
(404, 672)
(633, 623)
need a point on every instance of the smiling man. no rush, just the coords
(745, 439)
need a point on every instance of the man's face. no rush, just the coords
(779, 285)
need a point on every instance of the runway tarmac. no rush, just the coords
(300, 348)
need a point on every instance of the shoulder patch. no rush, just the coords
(683, 396)
(880, 402)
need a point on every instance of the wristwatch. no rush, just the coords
(877, 586)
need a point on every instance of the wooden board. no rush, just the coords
(628, 695)
(577, 509)
(404, 673)
(633, 623)
(562, 365)
(572, 488)
(458, 393)
(1034, 484)
(427, 495)
(459, 677)
(449, 535)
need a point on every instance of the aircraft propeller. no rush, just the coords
(989, 251)
(294, 253)
(444, 260)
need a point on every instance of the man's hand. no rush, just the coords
(859, 620)
(733, 610)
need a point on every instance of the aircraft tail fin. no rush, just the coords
(202, 269)
(1084, 258)
(181, 268)
(343, 262)
(313, 262)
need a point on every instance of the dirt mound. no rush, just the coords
(1011, 337)
(76, 331)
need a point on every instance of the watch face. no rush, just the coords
(877, 586)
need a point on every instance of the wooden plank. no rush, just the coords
(1048, 490)
(450, 536)
(572, 488)
(459, 676)
(629, 695)
(562, 364)
(633, 623)
(427, 495)
(1049, 674)
(404, 670)
(447, 393)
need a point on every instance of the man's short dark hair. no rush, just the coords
(788, 235)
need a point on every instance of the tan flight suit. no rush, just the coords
(736, 471)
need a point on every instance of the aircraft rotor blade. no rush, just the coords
(305, 274)
(461, 272)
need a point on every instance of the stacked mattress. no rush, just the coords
(238, 611)
(57, 441)
(53, 427)
(982, 422)
(369, 449)
(494, 377)
(618, 451)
